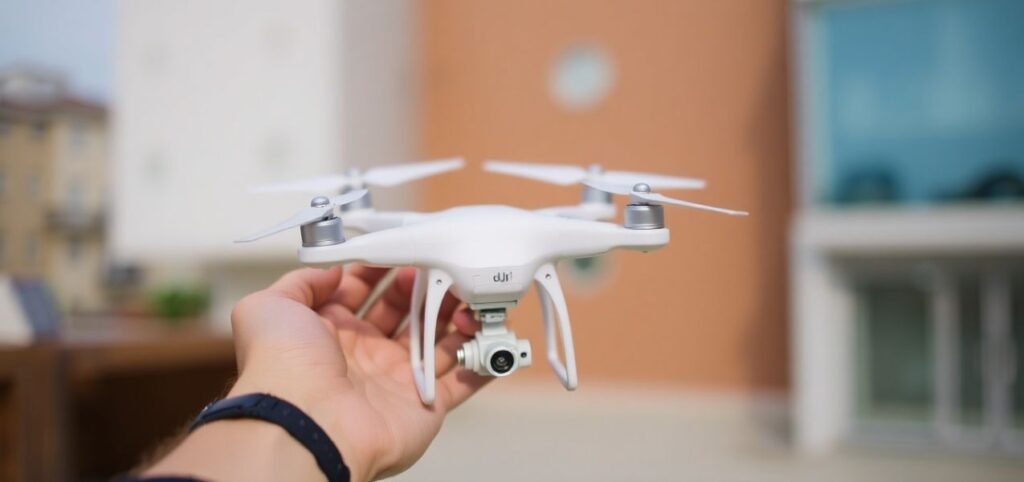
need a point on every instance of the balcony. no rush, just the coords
(75, 221)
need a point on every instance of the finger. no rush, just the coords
(446, 357)
(357, 284)
(444, 316)
(309, 286)
(463, 320)
(339, 316)
(394, 305)
(257, 315)
(460, 384)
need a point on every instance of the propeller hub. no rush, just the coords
(641, 187)
(320, 201)
(326, 232)
(644, 216)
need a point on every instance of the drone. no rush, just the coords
(488, 256)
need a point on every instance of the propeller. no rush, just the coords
(566, 175)
(641, 193)
(384, 176)
(320, 207)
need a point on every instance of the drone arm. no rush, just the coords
(587, 239)
(371, 220)
(553, 303)
(429, 288)
(382, 248)
(590, 211)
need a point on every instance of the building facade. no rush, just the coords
(907, 261)
(636, 86)
(53, 186)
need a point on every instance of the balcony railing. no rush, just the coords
(75, 220)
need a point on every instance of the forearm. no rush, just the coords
(255, 450)
(230, 450)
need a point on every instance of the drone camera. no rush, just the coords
(501, 361)
(496, 355)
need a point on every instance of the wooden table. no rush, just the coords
(92, 405)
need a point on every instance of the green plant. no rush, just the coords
(176, 303)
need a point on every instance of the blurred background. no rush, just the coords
(866, 321)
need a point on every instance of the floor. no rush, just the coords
(527, 432)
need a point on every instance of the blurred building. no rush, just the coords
(907, 269)
(656, 86)
(244, 94)
(53, 187)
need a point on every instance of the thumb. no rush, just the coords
(309, 286)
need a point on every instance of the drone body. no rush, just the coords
(487, 255)
(491, 251)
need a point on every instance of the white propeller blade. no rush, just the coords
(554, 174)
(388, 176)
(316, 184)
(648, 196)
(307, 215)
(609, 188)
(656, 181)
(343, 199)
(565, 175)
(655, 197)
(385, 176)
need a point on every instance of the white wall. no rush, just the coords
(213, 96)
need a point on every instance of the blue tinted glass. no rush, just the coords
(923, 101)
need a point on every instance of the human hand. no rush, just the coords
(300, 340)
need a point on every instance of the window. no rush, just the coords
(35, 185)
(894, 341)
(76, 197)
(155, 168)
(915, 101)
(1016, 370)
(938, 351)
(74, 249)
(39, 129)
(970, 347)
(79, 135)
(32, 250)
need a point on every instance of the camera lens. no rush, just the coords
(502, 361)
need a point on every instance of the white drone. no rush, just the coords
(487, 255)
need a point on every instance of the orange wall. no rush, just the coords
(701, 90)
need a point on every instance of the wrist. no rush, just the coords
(241, 449)
(326, 409)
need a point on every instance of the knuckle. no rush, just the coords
(245, 308)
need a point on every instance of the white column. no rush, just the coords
(822, 337)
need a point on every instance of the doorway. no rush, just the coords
(938, 353)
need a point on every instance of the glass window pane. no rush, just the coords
(919, 101)
(1017, 325)
(971, 390)
(894, 351)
